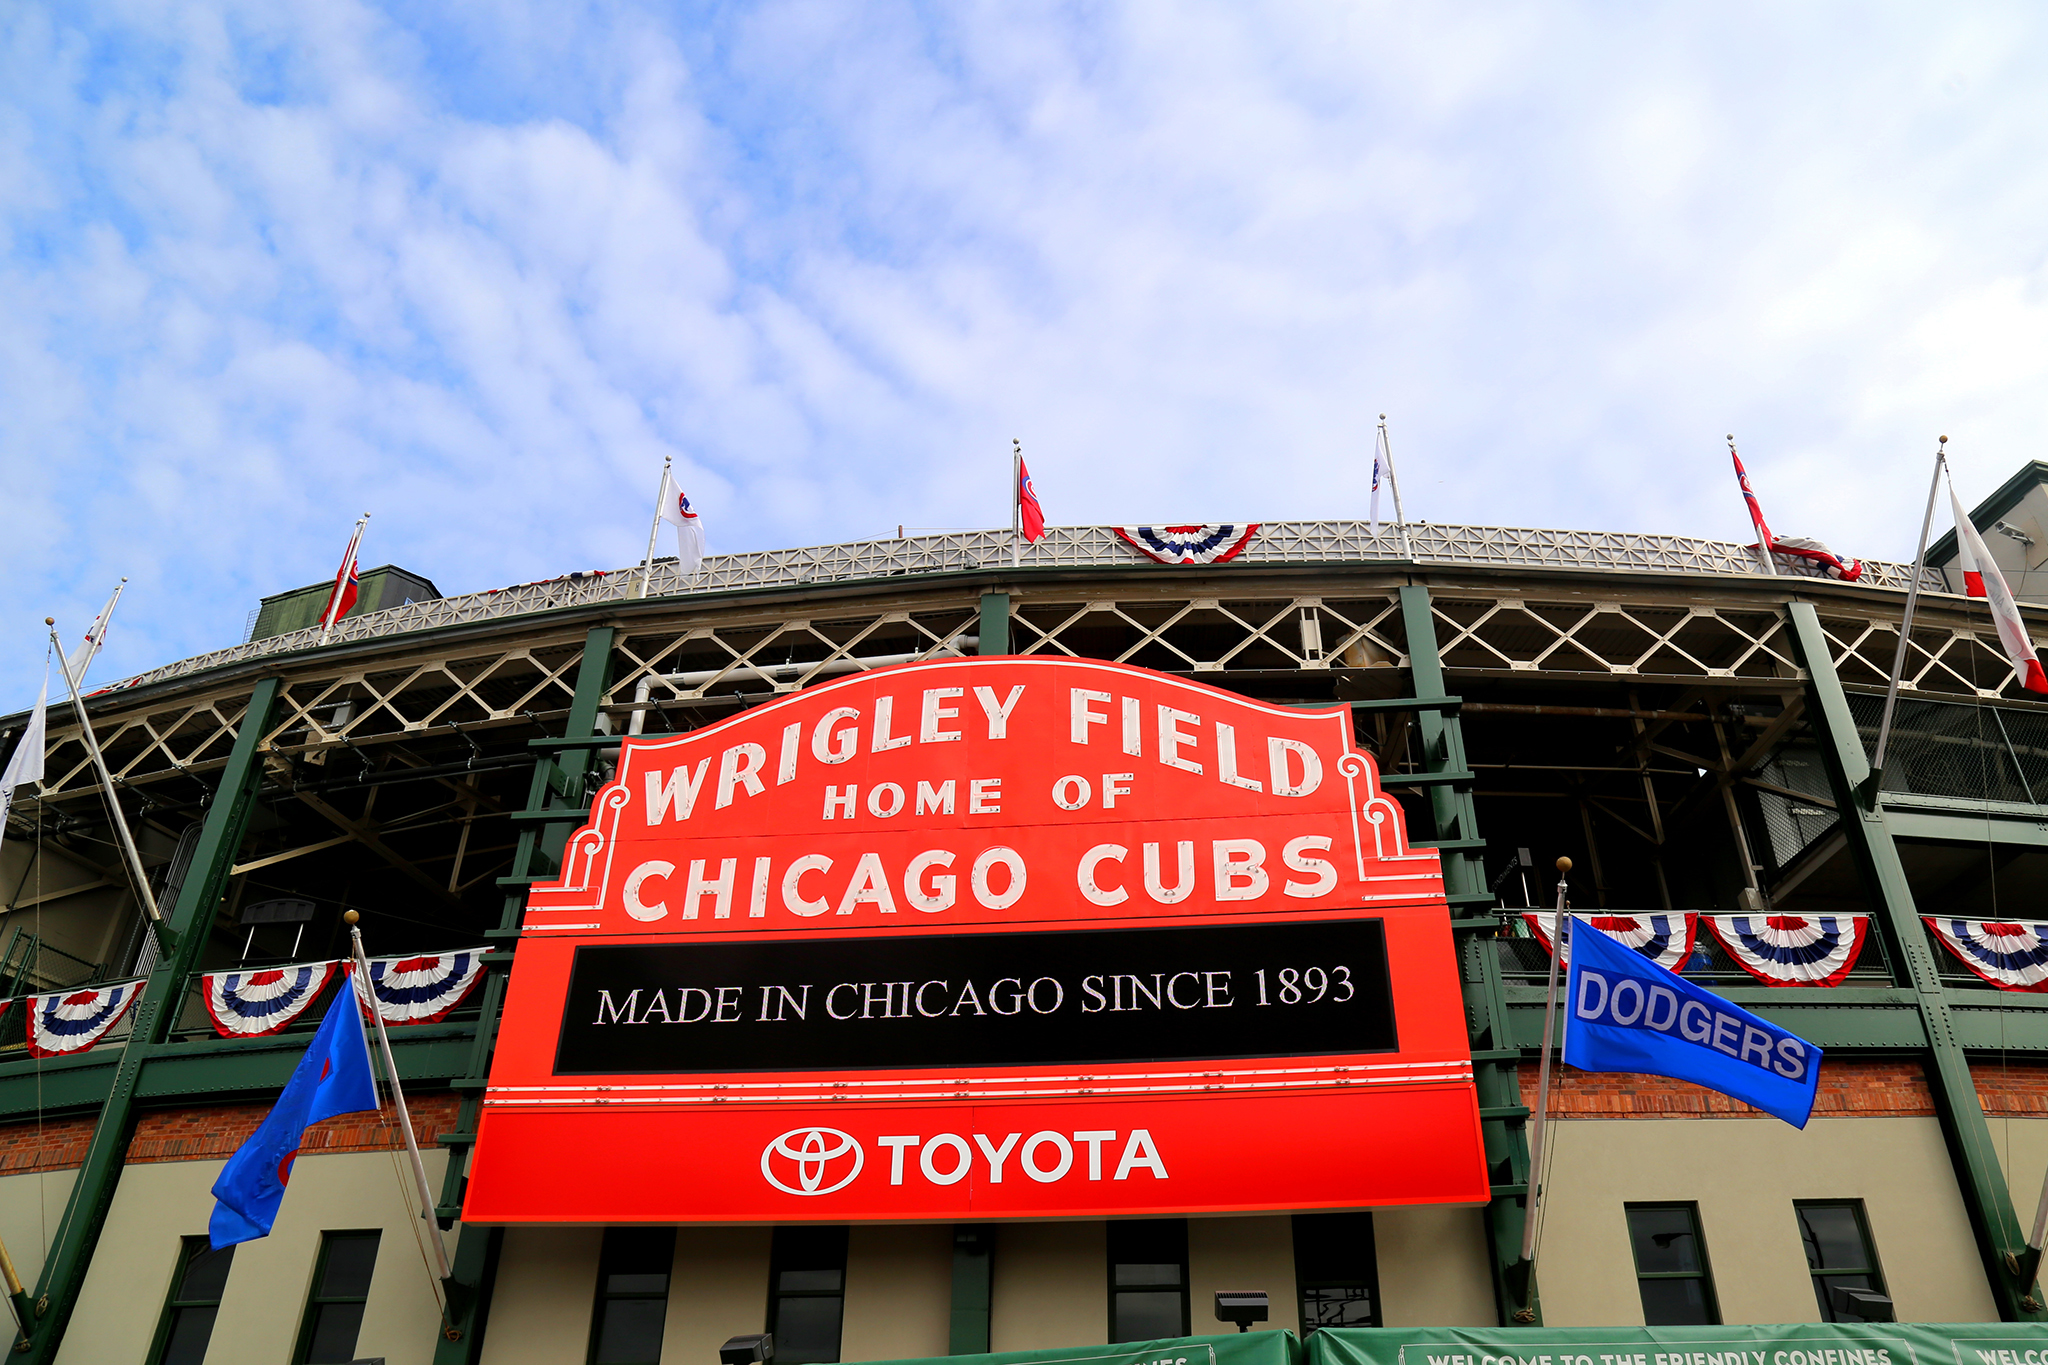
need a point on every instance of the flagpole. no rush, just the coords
(1394, 483)
(24, 1311)
(348, 561)
(99, 762)
(1763, 532)
(654, 531)
(97, 635)
(1016, 501)
(412, 1146)
(1868, 789)
(1560, 944)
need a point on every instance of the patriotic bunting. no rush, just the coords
(72, 1021)
(252, 1004)
(2013, 957)
(1207, 544)
(1664, 939)
(1793, 950)
(420, 990)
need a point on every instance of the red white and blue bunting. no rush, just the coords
(2012, 957)
(1793, 950)
(72, 1021)
(420, 990)
(1665, 939)
(252, 1004)
(1212, 543)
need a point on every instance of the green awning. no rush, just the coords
(1798, 1343)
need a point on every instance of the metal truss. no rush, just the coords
(1951, 654)
(1279, 542)
(1582, 634)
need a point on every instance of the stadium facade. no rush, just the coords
(1691, 731)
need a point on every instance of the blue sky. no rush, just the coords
(266, 266)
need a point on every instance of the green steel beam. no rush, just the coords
(973, 1268)
(156, 1013)
(995, 623)
(1966, 829)
(2000, 1239)
(1457, 827)
(539, 851)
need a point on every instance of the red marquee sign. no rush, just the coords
(984, 938)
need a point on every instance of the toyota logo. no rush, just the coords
(811, 1153)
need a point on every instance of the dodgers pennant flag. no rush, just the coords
(332, 1078)
(1625, 1013)
(1981, 578)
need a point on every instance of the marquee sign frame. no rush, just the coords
(1242, 990)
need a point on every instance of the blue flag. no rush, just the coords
(332, 1078)
(1626, 1013)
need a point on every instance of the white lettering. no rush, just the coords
(1226, 760)
(1042, 1175)
(1094, 1140)
(869, 886)
(681, 792)
(1295, 855)
(885, 799)
(1095, 893)
(941, 894)
(896, 1146)
(635, 906)
(828, 746)
(978, 877)
(720, 888)
(931, 713)
(838, 805)
(1071, 792)
(935, 800)
(1111, 790)
(1240, 868)
(785, 768)
(1139, 1151)
(1184, 887)
(985, 796)
(1172, 740)
(885, 708)
(931, 1171)
(996, 1155)
(740, 766)
(1082, 715)
(792, 892)
(1284, 784)
(998, 713)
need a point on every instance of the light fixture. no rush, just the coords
(1243, 1307)
(748, 1350)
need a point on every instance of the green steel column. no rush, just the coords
(1507, 1146)
(995, 623)
(156, 1014)
(973, 1264)
(540, 849)
(1999, 1237)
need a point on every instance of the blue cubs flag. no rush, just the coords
(332, 1078)
(1625, 1013)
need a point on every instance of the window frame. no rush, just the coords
(1111, 1263)
(1368, 1257)
(1705, 1274)
(1875, 1268)
(605, 1254)
(315, 1300)
(778, 1249)
(189, 1250)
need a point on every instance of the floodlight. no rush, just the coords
(1243, 1307)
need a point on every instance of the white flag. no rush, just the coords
(95, 637)
(1375, 491)
(675, 510)
(27, 764)
(1981, 578)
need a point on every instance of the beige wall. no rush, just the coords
(542, 1300)
(31, 1206)
(2023, 1153)
(1433, 1268)
(159, 1203)
(719, 1291)
(899, 1292)
(1051, 1286)
(1241, 1253)
(1744, 1175)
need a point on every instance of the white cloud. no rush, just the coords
(480, 270)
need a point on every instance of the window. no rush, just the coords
(1148, 1279)
(632, 1296)
(196, 1287)
(341, 1286)
(1336, 1271)
(1839, 1254)
(1671, 1265)
(806, 1294)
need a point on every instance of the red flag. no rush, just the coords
(1981, 578)
(343, 595)
(1033, 516)
(1756, 513)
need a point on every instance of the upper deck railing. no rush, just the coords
(1064, 547)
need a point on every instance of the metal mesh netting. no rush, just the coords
(1964, 749)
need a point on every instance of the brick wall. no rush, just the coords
(1852, 1088)
(2017, 1090)
(213, 1133)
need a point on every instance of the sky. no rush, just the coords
(479, 268)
